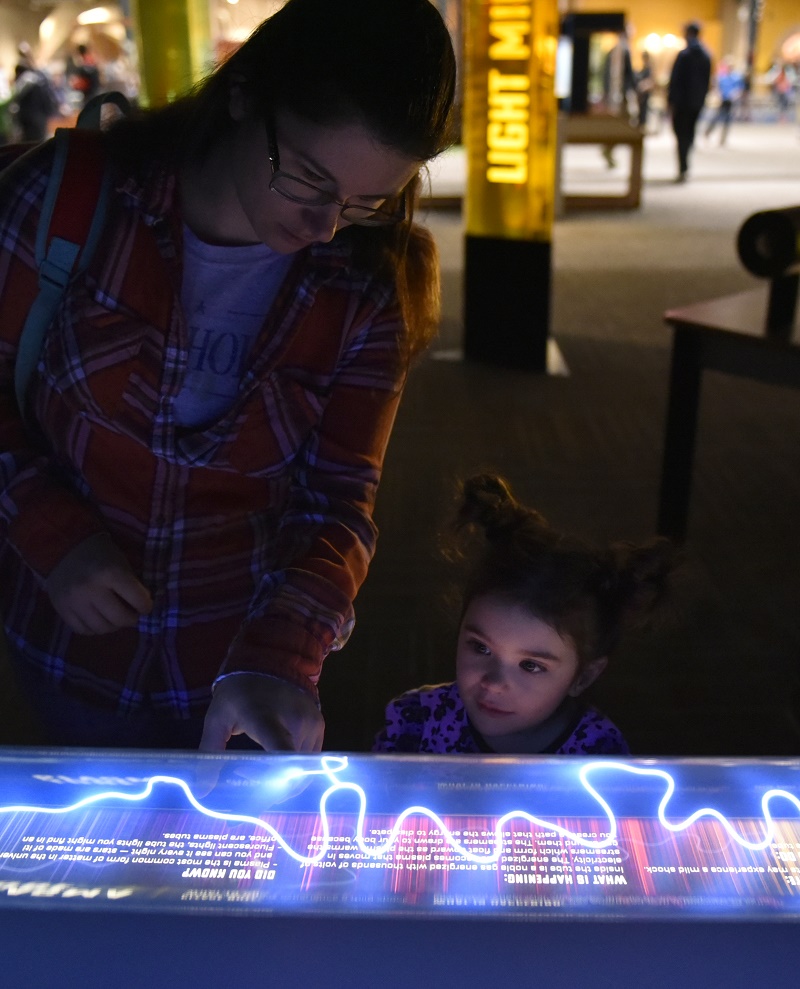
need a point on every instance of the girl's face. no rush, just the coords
(343, 160)
(514, 671)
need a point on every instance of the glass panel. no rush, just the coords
(515, 838)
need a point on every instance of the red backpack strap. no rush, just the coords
(71, 222)
(76, 192)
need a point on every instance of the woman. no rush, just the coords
(193, 506)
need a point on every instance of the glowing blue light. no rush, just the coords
(755, 846)
(331, 766)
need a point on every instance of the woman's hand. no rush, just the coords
(94, 589)
(273, 713)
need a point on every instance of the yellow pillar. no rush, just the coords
(510, 116)
(510, 135)
(174, 42)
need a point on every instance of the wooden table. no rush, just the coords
(728, 335)
(601, 129)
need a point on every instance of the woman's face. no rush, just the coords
(343, 160)
(514, 670)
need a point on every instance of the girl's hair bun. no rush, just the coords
(591, 593)
(645, 574)
(487, 501)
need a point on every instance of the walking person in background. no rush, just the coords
(782, 88)
(83, 75)
(6, 122)
(730, 86)
(618, 84)
(744, 109)
(33, 98)
(688, 87)
(186, 504)
(645, 84)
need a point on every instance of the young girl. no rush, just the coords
(192, 508)
(541, 614)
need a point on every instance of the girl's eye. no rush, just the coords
(480, 647)
(531, 666)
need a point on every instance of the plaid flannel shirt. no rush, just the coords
(253, 533)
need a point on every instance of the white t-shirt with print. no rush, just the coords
(226, 295)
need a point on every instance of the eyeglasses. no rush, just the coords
(299, 191)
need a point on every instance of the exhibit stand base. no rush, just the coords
(507, 302)
(556, 365)
(95, 950)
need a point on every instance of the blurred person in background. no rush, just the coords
(33, 101)
(730, 87)
(783, 82)
(645, 84)
(6, 123)
(619, 84)
(83, 75)
(686, 95)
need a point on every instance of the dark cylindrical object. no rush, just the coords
(769, 242)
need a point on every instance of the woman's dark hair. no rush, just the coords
(591, 595)
(386, 64)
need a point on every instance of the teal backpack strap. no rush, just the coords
(91, 116)
(72, 219)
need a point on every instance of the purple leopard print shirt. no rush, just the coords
(433, 719)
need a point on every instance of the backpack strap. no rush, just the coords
(72, 219)
(91, 116)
